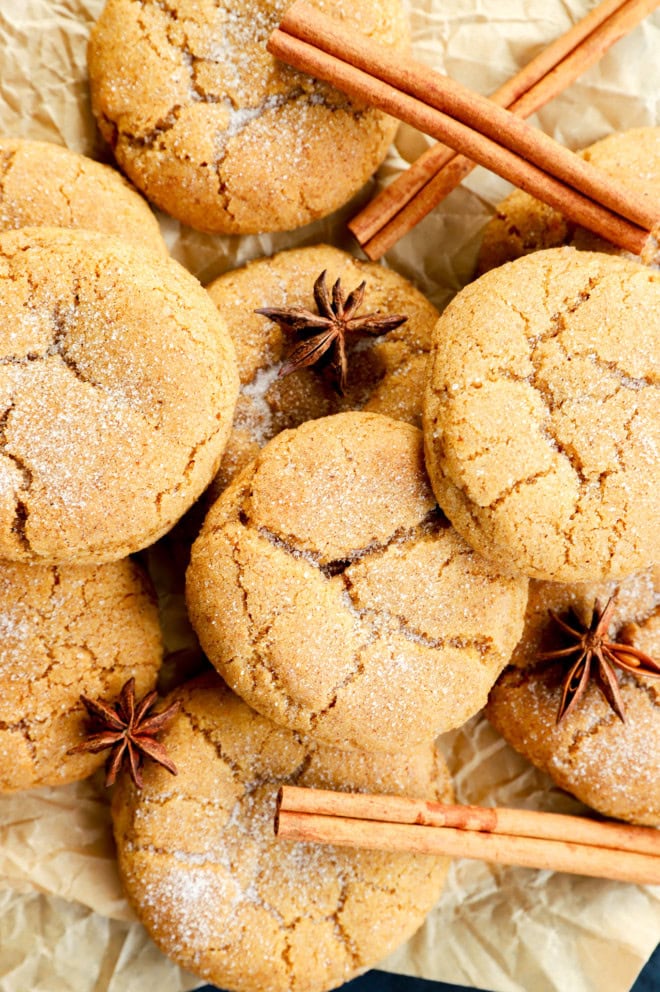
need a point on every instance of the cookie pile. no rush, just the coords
(541, 426)
(359, 584)
(120, 383)
(106, 341)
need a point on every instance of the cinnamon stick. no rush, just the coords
(551, 855)
(503, 836)
(463, 105)
(500, 820)
(407, 200)
(363, 86)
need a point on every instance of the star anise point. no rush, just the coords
(597, 657)
(126, 727)
(336, 317)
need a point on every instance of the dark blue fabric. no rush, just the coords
(379, 981)
(649, 980)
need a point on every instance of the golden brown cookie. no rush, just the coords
(66, 631)
(385, 373)
(542, 415)
(226, 899)
(332, 595)
(46, 185)
(522, 224)
(117, 390)
(610, 765)
(218, 133)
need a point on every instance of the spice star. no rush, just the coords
(597, 656)
(336, 317)
(126, 728)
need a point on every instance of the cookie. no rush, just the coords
(542, 415)
(66, 631)
(46, 185)
(522, 224)
(117, 390)
(609, 765)
(386, 374)
(331, 594)
(219, 134)
(227, 900)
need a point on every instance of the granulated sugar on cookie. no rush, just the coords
(222, 896)
(219, 134)
(65, 631)
(542, 415)
(386, 374)
(117, 390)
(610, 765)
(332, 595)
(46, 185)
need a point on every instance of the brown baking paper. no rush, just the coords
(64, 924)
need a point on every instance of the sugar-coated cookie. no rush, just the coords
(222, 896)
(542, 415)
(386, 374)
(65, 631)
(218, 133)
(46, 185)
(332, 595)
(117, 390)
(523, 224)
(610, 765)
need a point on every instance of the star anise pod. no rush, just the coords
(126, 728)
(323, 334)
(597, 656)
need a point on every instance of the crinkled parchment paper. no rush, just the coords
(64, 925)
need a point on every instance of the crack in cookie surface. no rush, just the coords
(313, 640)
(608, 764)
(211, 64)
(588, 419)
(60, 638)
(90, 396)
(203, 892)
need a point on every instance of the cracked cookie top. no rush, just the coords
(218, 133)
(522, 224)
(65, 631)
(386, 374)
(227, 900)
(542, 415)
(117, 389)
(46, 185)
(609, 765)
(332, 595)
